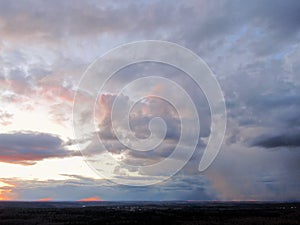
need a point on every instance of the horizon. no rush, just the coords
(188, 201)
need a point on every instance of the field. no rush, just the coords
(189, 213)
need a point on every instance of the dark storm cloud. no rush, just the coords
(274, 111)
(27, 148)
(280, 108)
(288, 140)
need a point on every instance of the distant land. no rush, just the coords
(170, 212)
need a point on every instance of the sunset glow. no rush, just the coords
(91, 199)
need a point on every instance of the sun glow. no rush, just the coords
(4, 191)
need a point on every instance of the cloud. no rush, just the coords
(243, 173)
(288, 140)
(76, 187)
(5, 191)
(140, 116)
(27, 148)
(5, 118)
(252, 47)
(53, 21)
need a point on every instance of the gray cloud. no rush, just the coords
(139, 119)
(5, 118)
(78, 187)
(288, 140)
(55, 20)
(27, 148)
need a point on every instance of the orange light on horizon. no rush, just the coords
(4, 191)
(91, 199)
(3, 196)
(45, 199)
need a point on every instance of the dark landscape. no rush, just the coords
(190, 213)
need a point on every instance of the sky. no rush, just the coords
(252, 48)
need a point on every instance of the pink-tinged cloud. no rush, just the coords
(54, 92)
(23, 91)
(28, 148)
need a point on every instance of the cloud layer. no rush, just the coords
(252, 48)
(28, 148)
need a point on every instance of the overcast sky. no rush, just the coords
(252, 47)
